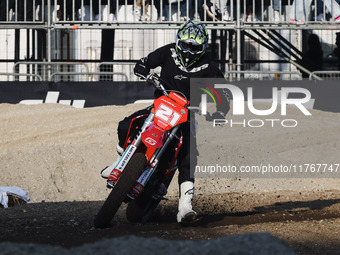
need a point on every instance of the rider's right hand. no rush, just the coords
(141, 70)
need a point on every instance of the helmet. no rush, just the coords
(191, 42)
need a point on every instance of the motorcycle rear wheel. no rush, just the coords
(120, 190)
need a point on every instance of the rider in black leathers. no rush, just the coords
(179, 62)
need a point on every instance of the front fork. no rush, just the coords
(128, 154)
(159, 153)
(146, 123)
(147, 173)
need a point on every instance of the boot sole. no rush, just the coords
(189, 217)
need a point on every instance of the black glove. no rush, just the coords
(141, 70)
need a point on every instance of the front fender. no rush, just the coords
(152, 137)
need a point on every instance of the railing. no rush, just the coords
(326, 75)
(111, 71)
(90, 76)
(123, 71)
(47, 69)
(262, 75)
(155, 12)
(73, 15)
(28, 77)
(73, 71)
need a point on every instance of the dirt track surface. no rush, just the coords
(56, 152)
(309, 224)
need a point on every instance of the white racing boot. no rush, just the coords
(185, 213)
(105, 173)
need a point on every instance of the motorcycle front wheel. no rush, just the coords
(120, 190)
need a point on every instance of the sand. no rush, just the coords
(56, 152)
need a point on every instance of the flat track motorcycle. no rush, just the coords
(146, 168)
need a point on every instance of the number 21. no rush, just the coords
(167, 114)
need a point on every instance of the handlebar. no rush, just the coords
(156, 81)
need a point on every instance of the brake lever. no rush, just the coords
(156, 81)
(152, 79)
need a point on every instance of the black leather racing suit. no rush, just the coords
(177, 78)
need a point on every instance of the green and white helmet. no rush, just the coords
(191, 42)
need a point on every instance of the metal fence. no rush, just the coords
(109, 71)
(47, 70)
(163, 11)
(70, 71)
(242, 30)
(25, 76)
(112, 71)
(262, 75)
(325, 75)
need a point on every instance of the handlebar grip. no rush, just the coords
(141, 76)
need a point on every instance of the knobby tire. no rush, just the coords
(120, 190)
(143, 208)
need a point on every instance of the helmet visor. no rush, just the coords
(189, 46)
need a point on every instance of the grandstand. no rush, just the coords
(89, 40)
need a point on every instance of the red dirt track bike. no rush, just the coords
(146, 168)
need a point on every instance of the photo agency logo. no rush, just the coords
(280, 98)
(204, 100)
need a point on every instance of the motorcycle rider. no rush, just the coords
(179, 62)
